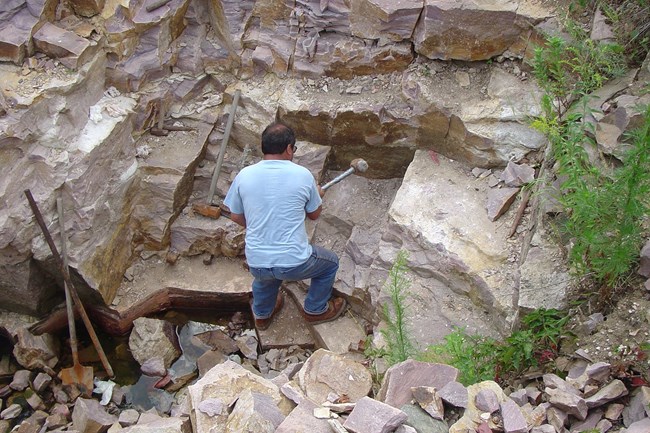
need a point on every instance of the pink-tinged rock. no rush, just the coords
(339, 56)
(90, 416)
(87, 8)
(513, 419)
(612, 391)
(588, 424)
(570, 403)
(642, 426)
(429, 400)
(455, 394)
(557, 418)
(467, 30)
(372, 416)
(384, 19)
(302, 419)
(400, 378)
(499, 201)
(72, 50)
(516, 175)
(19, 20)
(487, 401)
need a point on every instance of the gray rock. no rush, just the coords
(600, 30)
(325, 372)
(546, 428)
(152, 338)
(248, 346)
(554, 381)
(644, 261)
(128, 417)
(637, 409)
(254, 412)
(36, 351)
(11, 412)
(373, 19)
(42, 381)
(302, 419)
(513, 420)
(610, 392)
(89, 416)
(589, 423)
(372, 416)
(429, 400)
(21, 380)
(568, 402)
(438, 36)
(455, 394)
(161, 425)
(641, 426)
(421, 421)
(400, 378)
(557, 418)
(614, 411)
(520, 397)
(226, 382)
(154, 367)
(72, 50)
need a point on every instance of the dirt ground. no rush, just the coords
(622, 338)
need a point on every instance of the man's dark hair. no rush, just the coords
(276, 137)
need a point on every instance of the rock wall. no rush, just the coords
(84, 80)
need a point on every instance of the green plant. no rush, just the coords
(568, 68)
(481, 358)
(399, 346)
(474, 356)
(606, 209)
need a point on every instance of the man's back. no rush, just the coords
(274, 195)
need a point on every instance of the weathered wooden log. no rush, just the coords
(118, 323)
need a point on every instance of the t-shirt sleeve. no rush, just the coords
(314, 199)
(233, 199)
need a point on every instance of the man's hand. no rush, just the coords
(321, 191)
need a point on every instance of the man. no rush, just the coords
(271, 199)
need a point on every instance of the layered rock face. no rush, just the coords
(354, 75)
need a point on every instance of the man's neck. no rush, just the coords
(277, 157)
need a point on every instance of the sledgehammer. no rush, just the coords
(357, 165)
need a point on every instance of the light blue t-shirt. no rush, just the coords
(274, 195)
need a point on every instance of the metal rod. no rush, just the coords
(66, 278)
(338, 178)
(68, 299)
(224, 143)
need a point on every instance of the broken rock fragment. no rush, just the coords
(326, 372)
(516, 175)
(499, 201)
(71, 50)
(372, 416)
(400, 378)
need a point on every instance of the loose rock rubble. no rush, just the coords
(328, 392)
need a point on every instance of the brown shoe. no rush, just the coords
(335, 307)
(263, 324)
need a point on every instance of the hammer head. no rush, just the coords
(359, 165)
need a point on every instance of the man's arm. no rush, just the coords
(239, 218)
(315, 214)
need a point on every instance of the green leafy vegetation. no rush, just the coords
(481, 358)
(398, 343)
(605, 204)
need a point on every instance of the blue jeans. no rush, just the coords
(321, 267)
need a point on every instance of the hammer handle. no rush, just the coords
(338, 178)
